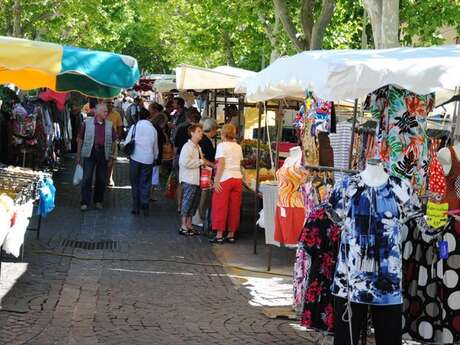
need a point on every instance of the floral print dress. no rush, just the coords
(369, 264)
(402, 137)
(319, 243)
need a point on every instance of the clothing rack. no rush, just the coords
(305, 166)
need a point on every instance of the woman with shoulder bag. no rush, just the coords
(141, 161)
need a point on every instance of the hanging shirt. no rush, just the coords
(403, 144)
(369, 265)
(289, 181)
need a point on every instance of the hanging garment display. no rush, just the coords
(432, 285)
(436, 180)
(452, 195)
(319, 241)
(15, 237)
(290, 212)
(401, 131)
(270, 196)
(310, 147)
(341, 143)
(369, 263)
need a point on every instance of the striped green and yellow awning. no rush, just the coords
(33, 64)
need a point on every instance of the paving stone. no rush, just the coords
(124, 299)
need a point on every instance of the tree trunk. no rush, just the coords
(228, 47)
(319, 29)
(272, 35)
(384, 17)
(307, 20)
(390, 24)
(374, 9)
(281, 11)
(17, 18)
(364, 33)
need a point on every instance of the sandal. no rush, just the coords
(195, 232)
(217, 240)
(231, 240)
(183, 231)
(190, 233)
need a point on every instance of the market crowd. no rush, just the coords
(204, 178)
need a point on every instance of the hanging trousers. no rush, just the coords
(386, 319)
(226, 206)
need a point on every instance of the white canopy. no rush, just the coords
(197, 78)
(164, 85)
(348, 74)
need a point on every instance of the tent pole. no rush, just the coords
(214, 106)
(225, 104)
(240, 112)
(256, 196)
(355, 115)
(279, 134)
(207, 104)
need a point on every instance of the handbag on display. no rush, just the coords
(128, 148)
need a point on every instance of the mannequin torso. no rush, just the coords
(374, 175)
(445, 158)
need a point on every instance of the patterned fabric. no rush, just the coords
(302, 267)
(320, 241)
(309, 144)
(190, 199)
(289, 181)
(402, 131)
(315, 193)
(432, 286)
(452, 196)
(437, 180)
(369, 262)
(341, 142)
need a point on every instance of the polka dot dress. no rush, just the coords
(432, 286)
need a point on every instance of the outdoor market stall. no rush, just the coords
(396, 88)
(31, 65)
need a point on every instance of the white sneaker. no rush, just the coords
(83, 208)
(99, 206)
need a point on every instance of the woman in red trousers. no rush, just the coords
(228, 187)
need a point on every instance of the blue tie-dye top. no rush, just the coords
(372, 220)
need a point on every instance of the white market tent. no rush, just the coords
(164, 85)
(198, 78)
(351, 74)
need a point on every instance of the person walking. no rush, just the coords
(95, 146)
(141, 161)
(134, 110)
(190, 162)
(228, 187)
(114, 117)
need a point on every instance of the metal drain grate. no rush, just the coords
(90, 245)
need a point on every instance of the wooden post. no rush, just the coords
(355, 115)
(256, 196)
(279, 134)
(214, 106)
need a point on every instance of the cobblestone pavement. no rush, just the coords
(89, 297)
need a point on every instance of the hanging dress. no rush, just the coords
(290, 211)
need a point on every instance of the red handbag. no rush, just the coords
(205, 178)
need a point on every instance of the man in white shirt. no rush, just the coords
(141, 161)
